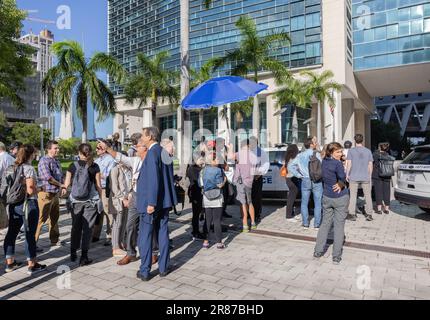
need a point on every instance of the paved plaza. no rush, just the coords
(387, 258)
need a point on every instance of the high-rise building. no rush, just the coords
(43, 61)
(364, 43)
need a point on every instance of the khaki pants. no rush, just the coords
(109, 219)
(367, 191)
(49, 212)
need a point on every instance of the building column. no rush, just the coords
(348, 119)
(337, 117)
(273, 123)
(327, 124)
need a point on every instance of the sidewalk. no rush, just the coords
(253, 266)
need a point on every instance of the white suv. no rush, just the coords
(413, 179)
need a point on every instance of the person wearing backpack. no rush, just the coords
(307, 166)
(212, 179)
(293, 182)
(19, 190)
(383, 170)
(85, 198)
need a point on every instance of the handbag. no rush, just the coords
(283, 172)
(212, 194)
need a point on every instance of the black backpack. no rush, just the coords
(82, 185)
(12, 187)
(315, 171)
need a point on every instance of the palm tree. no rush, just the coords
(152, 82)
(296, 94)
(254, 55)
(321, 87)
(75, 78)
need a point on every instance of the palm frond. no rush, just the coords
(105, 62)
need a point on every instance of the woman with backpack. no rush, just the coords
(293, 182)
(84, 177)
(21, 199)
(383, 170)
(212, 179)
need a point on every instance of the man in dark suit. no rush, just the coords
(155, 197)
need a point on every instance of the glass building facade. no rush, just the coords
(390, 33)
(150, 26)
(143, 26)
(213, 31)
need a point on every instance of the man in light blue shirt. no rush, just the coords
(106, 162)
(300, 169)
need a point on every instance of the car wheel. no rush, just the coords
(425, 209)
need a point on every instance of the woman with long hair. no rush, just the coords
(84, 177)
(23, 212)
(335, 202)
(292, 182)
(381, 183)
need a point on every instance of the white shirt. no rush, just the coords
(6, 160)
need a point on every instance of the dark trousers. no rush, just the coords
(147, 226)
(256, 195)
(84, 217)
(132, 230)
(197, 210)
(293, 192)
(213, 216)
(225, 193)
(382, 191)
(16, 220)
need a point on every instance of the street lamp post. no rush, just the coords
(41, 121)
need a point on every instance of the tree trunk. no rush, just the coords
(319, 123)
(183, 140)
(84, 125)
(295, 126)
(154, 119)
(256, 118)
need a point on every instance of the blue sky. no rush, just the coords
(88, 26)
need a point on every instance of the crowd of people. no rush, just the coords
(133, 192)
(333, 176)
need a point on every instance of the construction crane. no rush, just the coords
(37, 19)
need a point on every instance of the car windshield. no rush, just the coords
(419, 156)
(276, 156)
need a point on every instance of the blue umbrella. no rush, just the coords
(220, 91)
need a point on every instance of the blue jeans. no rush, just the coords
(16, 219)
(316, 189)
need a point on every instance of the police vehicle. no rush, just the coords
(275, 186)
(413, 179)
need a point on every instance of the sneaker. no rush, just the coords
(84, 261)
(292, 219)
(245, 229)
(378, 212)
(316, 227)
(36, 269)
(198, 236)
(298, 217)
(13, 266)
(253, 226)
(337, 260)
(369, 217)
(220, 246)
(318, 255)
(306, 227)
(386, 211)
(56, 244)
(351, 217)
